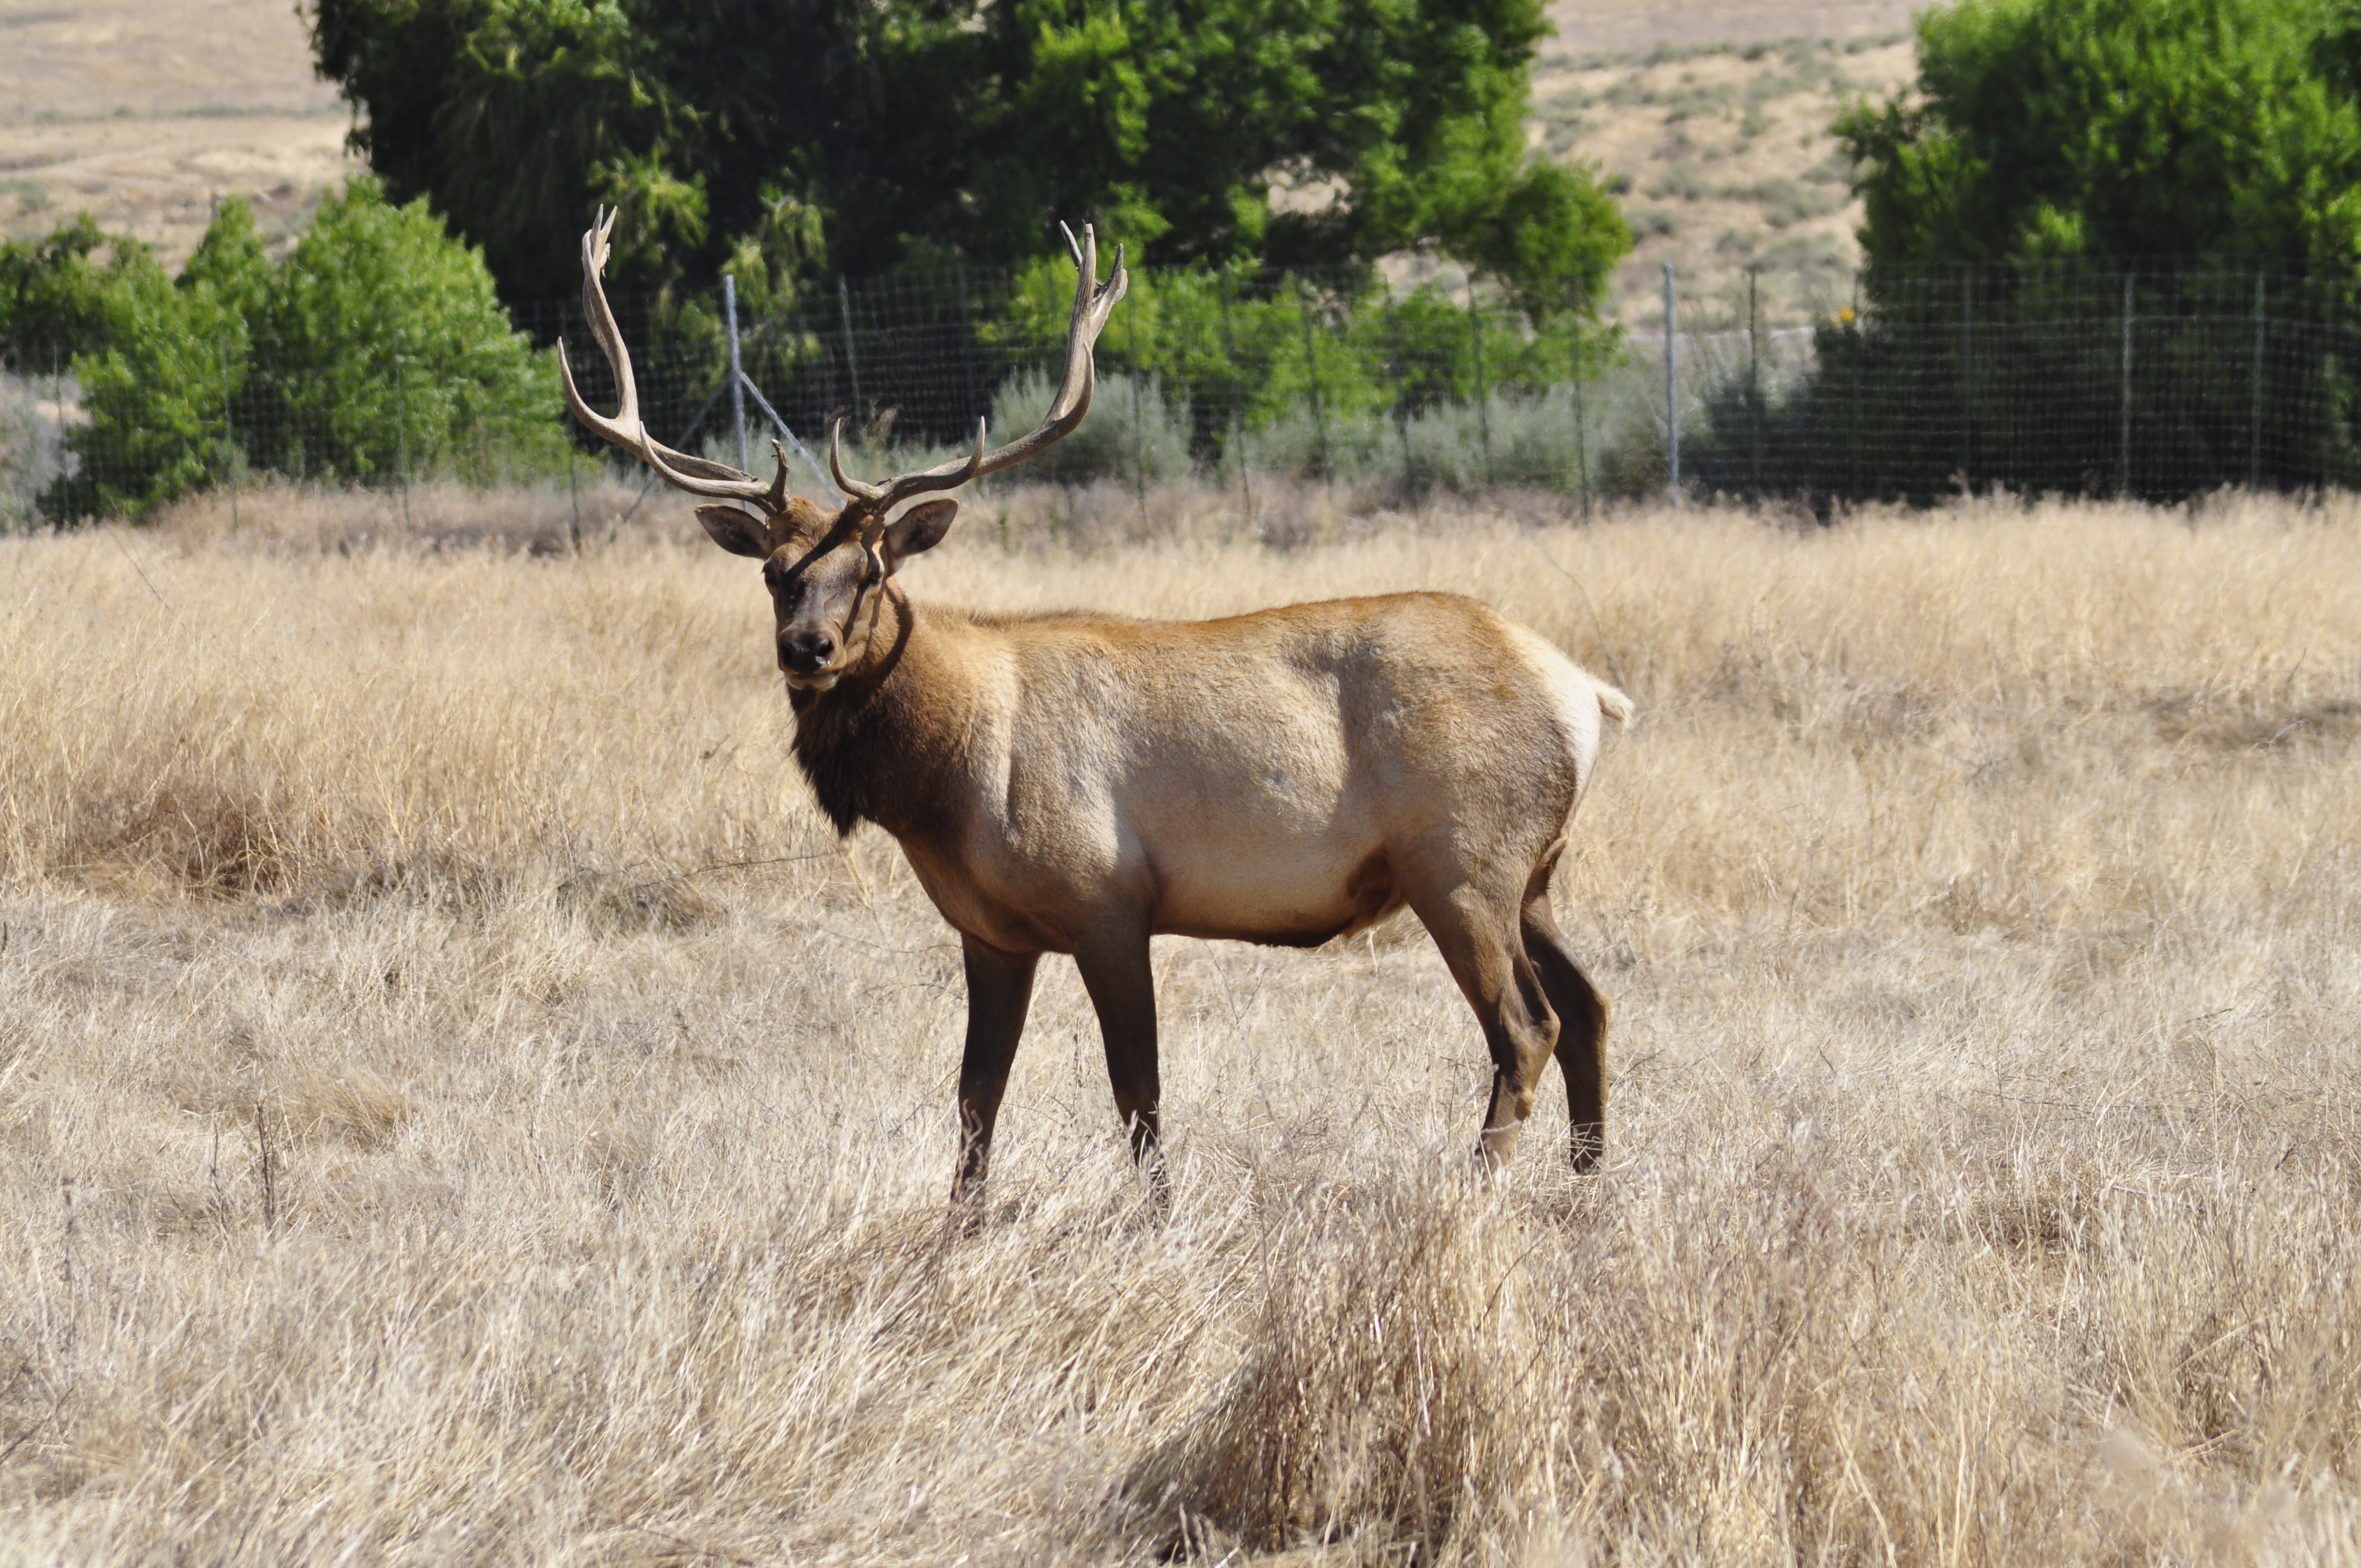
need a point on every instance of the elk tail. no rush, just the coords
(1611, 700)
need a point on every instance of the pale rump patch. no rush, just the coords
(1581, 700)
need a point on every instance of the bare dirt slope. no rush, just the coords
(1612, 26)
(143, 110)
(1723, 146)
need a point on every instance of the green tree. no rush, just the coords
(394, 349)
(2041, 129)
(54, 292)
(162, 363)
(822, 134)
(2189, 168)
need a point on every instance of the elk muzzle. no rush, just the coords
(804, 652)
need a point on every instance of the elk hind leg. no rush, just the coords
(1478, 941)
(1582, 1020)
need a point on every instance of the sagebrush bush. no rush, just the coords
(1132, 433)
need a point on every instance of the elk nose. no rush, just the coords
(805, 652)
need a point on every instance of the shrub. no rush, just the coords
(400, 352)
(1131, 432)
(1537, 439)
(292, 367)
(1277, 361)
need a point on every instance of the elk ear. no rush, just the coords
(920, 528)
(740, 533)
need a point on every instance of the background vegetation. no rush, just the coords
(375, 349)
(2139, 223)
(2214, 129)
(789, 142)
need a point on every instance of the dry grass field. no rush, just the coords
(459, 1104)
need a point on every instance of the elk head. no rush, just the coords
(826, 570)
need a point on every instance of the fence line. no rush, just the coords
(2150, 379)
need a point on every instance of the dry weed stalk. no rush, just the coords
(1978, 895)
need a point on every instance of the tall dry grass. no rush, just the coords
(459, 1104)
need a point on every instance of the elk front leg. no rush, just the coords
(1117, 972)
(999, 992)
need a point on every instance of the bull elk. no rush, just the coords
(1079, 783)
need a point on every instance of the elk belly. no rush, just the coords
(1297, 899)
(1283, 856)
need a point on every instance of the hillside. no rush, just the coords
(1714, 119)
(141, 112)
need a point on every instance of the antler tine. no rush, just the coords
(1093, 301)
(697, 475)
(877, 498)
(703, 476)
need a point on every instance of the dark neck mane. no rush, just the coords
(863, 742)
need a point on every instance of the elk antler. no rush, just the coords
(697, 475)
(1093, 303)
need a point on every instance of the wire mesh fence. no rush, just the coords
(2152, 379)
(2155, 380)
(1335, 376)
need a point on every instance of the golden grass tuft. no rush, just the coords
(459, 1104)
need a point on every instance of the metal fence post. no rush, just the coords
(852, 365)
(1672, 395)
(573, 455)
(1859, 334)
(1754, 384)
(1581, 435)
(401, 427)
(2123, 440)
(737, 377)
(1311, 370)
(967, 341)
(229, 445)
(1237, 411)
(1967, 377)
(1394, 372)
(2255, 437)
(1139, 419)
(1483, 401)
